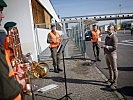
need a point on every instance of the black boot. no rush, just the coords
(58, 68)
(98, 59)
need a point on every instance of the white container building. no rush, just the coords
(27, 13)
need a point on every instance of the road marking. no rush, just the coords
(130, 42)
(126, 43)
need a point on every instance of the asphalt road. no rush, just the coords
(125, 63)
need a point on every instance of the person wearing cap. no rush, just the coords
(110, 51)
(95, 35)
(2, 5)
(54, 40)
(8, 26)
(10, 89)
(131, 28)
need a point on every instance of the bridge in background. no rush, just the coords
(101, 17)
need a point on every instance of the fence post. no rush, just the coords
(37, 43)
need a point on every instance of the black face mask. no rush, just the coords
(2, 37)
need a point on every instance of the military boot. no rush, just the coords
(58, 68)
(98, 59)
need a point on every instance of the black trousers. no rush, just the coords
(96, 49)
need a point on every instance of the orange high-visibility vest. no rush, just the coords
(95, 35)
(11, 73)
(55, 38)
(8, 50)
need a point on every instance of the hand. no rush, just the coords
(105, 46)
(21, 80)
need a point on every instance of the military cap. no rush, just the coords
(9, 24)
(94, 25)
(53, 25)
(2, 4)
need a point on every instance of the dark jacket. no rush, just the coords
(111, 41)
(2, 37)
(9, 87)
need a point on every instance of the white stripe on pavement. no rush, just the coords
(123, 43)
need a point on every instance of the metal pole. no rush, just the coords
(37, 42)
(120, 11)
(79, 35)
(116, 22)
(64, 28)
(65, 36)
(83, 37)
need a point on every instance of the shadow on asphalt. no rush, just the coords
(108, 89)
(88, 63)
(51, 70)
(78, 81)
(127, 90)
(46, 96)
(125, 68)
(105, 68)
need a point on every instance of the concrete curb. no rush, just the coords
(119, 95)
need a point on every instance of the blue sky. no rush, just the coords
(67, 8)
